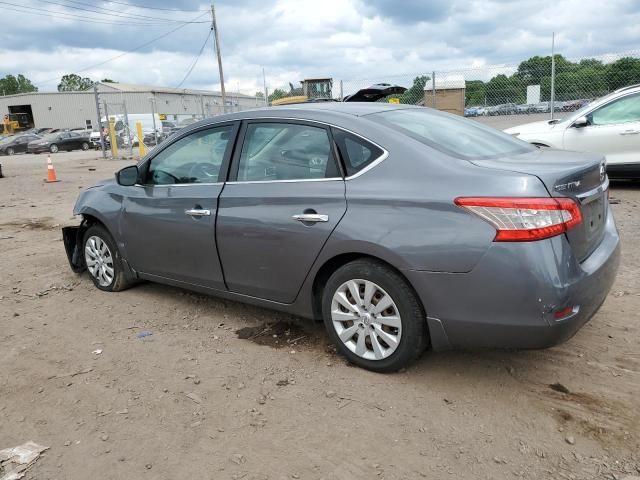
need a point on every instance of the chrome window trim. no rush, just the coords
(178, 185)
(330, 179)
(383, 156)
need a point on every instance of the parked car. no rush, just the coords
(54, 142)
(400, 226)
(525, 109)
(16, 144)
(471, 112)
(609, 126)
(169, 128)
(504, 109)
(573, 105)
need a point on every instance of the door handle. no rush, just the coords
(311, 217)
(198, 212)
(630, 132)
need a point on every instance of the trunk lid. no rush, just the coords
(579, 176)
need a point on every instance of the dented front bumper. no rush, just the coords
(72, 238)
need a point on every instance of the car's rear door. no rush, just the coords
(613, 130)
(284, 198)
(168, 222)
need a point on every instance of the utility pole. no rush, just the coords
(266, 92)
(95, 94)
(216, 45)
(553, 72)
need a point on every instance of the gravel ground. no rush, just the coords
(221, 390)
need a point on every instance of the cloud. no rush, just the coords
(357, 40)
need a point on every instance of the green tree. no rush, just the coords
(533, 70)
(108, 80)
(475, 93)
(588, 82)
(623, 72)
(277, 94)
(415, 93)
(502, 89)
(10, 85)
(259, 95)
(73, 83)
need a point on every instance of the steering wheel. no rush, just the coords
(204, 171)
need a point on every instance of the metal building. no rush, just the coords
(78, 109)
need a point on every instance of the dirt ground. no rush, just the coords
(212, 394)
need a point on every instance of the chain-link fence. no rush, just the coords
(536, 85)
(159, 115)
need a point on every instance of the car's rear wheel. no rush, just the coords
(374, 317)
(53, 148)
(103, 261)
(10, 151)
(85, 146)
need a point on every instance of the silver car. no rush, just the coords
(401, 227)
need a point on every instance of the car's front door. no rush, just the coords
(284, 198)
(613, 130)
(168, 222)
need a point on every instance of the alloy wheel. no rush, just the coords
(366, 319)
(99, 260)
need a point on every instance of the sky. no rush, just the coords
(354, 40)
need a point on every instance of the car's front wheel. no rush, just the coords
(374, 317)
(53, 148)
(103, 260)
(85, 146)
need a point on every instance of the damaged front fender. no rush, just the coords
(72, 238)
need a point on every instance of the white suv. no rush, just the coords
(609, 125)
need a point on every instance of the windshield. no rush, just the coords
(451, 134)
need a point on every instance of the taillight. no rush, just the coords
(520, 219)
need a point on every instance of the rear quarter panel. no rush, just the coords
(402, 210)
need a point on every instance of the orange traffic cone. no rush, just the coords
(51, 172)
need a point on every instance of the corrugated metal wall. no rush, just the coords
(73, 109)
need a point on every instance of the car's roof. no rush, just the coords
(303, 110)
(338, 112)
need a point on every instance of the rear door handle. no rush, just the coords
(198, 212)
(630, 132)
(311, 217)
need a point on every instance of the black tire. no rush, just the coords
(85, 146)
(415, 336)
(10, 151)
(119, 281)
(53, 148)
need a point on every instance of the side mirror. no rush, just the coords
(128, 176)
(581, 122)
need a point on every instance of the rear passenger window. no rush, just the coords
(285, 151)
(355, 151)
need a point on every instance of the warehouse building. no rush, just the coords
(78, 109)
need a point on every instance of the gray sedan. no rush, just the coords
(401, 227)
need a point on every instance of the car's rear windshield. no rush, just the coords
(453, 135)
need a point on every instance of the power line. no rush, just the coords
(71, 16)
(195, 61)
(136, 5)
(139, 47)
(127, 16)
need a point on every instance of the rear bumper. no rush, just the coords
(508, 300)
